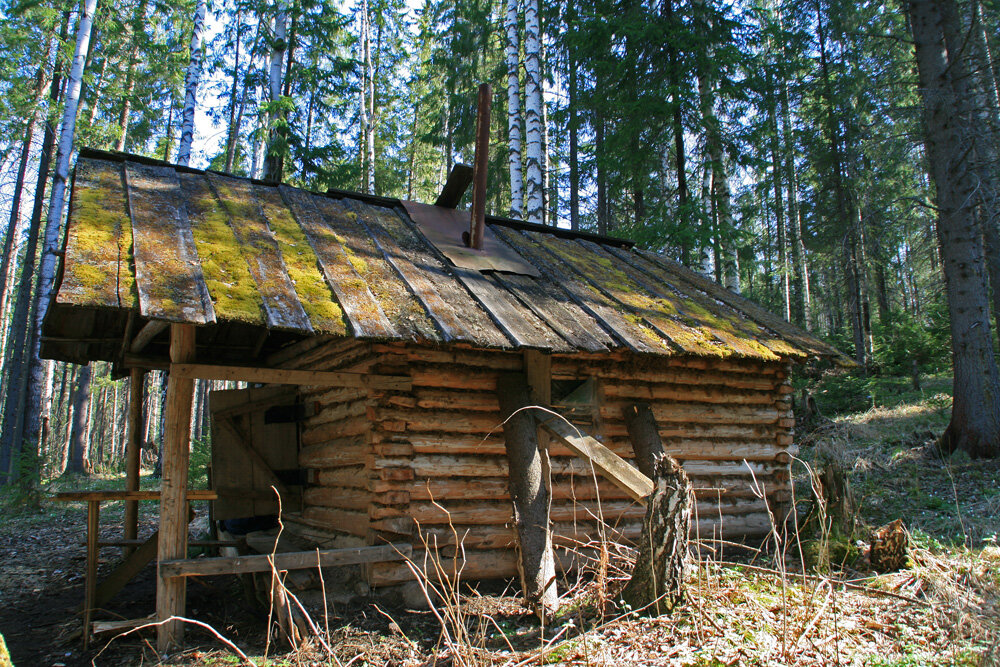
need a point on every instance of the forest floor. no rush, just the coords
(942, 609)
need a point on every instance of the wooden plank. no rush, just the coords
(722, 323)
(90, 577)
(171, 594)
(133, 450)
(443, 314)
(458, 182)
(750, 309)
(514, 319)
(242, 440)
(433, 267)
(590, 300)
(282, 376)
(633, 300)
(168, 272)
(606, 462)
(111, 495)
(363, 311)
(574, 325)
(96, 270)
(126, 570)
(345, 218)
(255, 242)
(291, 560)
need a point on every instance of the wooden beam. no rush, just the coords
(292, 560)
(133, 449)
(605, 461)
(146, 334)
(530, 496)
(90, 580)
(283, 376)
(126, 570)
(79, 496)
(645, 436)
(456, 185)
(171, 593)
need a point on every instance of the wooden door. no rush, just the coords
(255, 446)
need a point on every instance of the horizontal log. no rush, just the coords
(689, 393)
(327, 414)
(336, 430)
(111, 495)
(283, 376)
(294, 560)
(327, 396)
(337, 497)
(420, 420)
(355, 523)
(703, 413)
(356, 476)
(652, 370)
(501, 361)
(337, 452)
(454, 377)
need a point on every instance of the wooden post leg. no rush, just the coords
(531, 497)
(645, 436)
(171, 592)
(133, 449)
(90, 581)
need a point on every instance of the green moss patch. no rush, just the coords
(232, 288)
(97, 269)
(316, 297)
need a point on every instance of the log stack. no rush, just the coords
(430, 461)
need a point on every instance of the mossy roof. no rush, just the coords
(182, 245)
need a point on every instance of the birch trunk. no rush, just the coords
(513, 60)
(274, 156)
(945, 88)
(370, 127)
(191, 80)
(533, 111)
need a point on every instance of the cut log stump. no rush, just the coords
(657, 583)
(889, 547)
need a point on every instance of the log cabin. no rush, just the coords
(376, 340)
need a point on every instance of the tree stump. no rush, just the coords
(888, 547)
(657, 582)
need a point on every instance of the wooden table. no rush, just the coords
(94, 500)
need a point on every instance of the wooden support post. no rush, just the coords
(90, 581)
(171, 592)
(530, 496)
(538, 370)
(645, 436)
(133, 451)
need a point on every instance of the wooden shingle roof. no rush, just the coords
(264, 265)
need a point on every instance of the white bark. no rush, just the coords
(370, 128)
(533, 110)
(191, 81)
(47, 268)
(514, 111)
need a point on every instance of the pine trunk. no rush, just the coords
(950, 142)
(79, 445)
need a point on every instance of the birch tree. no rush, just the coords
(533, 111)
(513, 61)
(191, 81)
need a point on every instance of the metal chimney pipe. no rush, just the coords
(479, 168)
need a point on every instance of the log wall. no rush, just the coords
(431, 461)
